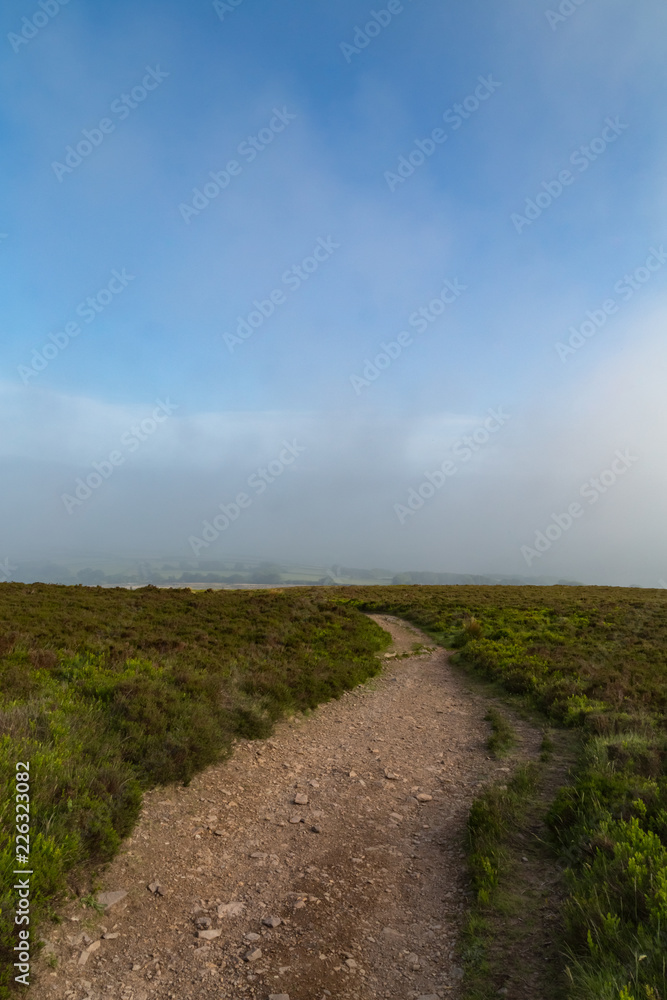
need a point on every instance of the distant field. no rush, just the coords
(109, 692)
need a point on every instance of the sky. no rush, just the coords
(336, 283)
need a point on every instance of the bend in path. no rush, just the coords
(368, 880)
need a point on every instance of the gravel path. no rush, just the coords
(356, 889)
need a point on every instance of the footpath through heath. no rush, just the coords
(326, 861)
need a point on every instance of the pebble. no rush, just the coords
(251, 936)
(390, 776)
(253, 956)
(301, 799)
(271, 921)
(85, 955)
(231, 909)
(109, 899)
(278, 996)
(391, 935)
(209, 935)
(296, 819)
(156, 889)
(423, 797)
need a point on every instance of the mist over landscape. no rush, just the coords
(391, 282)
(333, 465)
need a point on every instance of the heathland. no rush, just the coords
(108, 693)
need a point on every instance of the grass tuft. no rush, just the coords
(503, 736)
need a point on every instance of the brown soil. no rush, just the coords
(369, 882)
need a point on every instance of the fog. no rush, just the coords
(343, 356)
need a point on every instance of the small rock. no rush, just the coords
(301, 799)
(314, 783)
(299, 905)
(231, 909)
(316, 829)
(428, 996)
(251, 936)
(423, 797)
(109, 899)
(258, 854)
(390, 776)
(203, 923)
(156, 889)
(85, 955)
(296, 819)
(412, 961)
(209, 935)
(136, 967)
(253, 956)
(111, 937)
(397, 817)
(351, 964)
(352, 774)
(271, 921)
(278, 996)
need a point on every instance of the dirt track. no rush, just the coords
(367, 880)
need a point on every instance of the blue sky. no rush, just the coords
(592, 78)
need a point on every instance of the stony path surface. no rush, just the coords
(324, 862)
